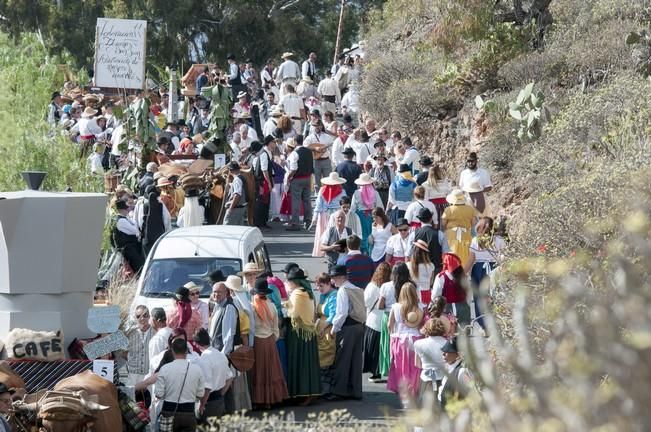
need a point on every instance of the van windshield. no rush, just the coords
(165, 276)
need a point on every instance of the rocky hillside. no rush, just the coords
(429, 60)
(553, 95)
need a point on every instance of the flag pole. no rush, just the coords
(339, 29)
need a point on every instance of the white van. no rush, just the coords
(192, 254)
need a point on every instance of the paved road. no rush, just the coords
(286, 247)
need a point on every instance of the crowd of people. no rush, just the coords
(409, 250)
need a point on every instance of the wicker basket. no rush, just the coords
(111, 182)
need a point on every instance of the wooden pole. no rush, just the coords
(339, 29)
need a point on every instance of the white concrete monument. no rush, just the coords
(49, 251)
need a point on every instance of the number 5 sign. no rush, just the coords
(104, 368)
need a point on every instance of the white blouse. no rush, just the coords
(380, 238)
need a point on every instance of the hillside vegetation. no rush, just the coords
(572, 327)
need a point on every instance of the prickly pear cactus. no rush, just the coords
(641, 53)
(529, 111)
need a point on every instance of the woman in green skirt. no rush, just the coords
(304, 377)
(389, 292)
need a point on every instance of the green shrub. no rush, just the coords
(27, 79)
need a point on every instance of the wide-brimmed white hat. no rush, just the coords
(250, 268)
(364, 179)
(241, 94)
(333, 179)
(163, 181)
(192, 286)
(456, 197)
(276, 111)
(89, 112)
(287, 54)
(234, 283)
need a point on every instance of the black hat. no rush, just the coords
(316, 112)
(183, 295)
(261, 286)
(403, 168)
(341, 243)
(180, 123)
(289, 266)
(378, 155)
(426, 161)
(379, 143)
(472, 156)
(230, 56)
(338, 270)
(295, 273)
(217, 276)
(348, 119)
(5, 389)
(121, 205)
(234, 166)
(278, 133)
(55, 94)
(424, 214)
(268, 139)
(348, 151)
(402, 222)
(158, 314)
(255, 147)
(450, 346)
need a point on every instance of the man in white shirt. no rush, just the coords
(293, 106)
(339, 144)
(348, 326)
(329, 92)
(411, 155)
(158, 342)
(288, 73)
(457, 383)
(272, 123)
(124, 237)
(308, 68)
(473, 173)
(179, 385)
(237, 202)
(322, 163)
(217, 375)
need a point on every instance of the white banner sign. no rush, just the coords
(120, 50)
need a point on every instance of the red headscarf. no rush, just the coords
(451, 262)
(185, 145)
(330, 192)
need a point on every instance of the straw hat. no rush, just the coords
(473, 187)
(286, 54)
(276, 111)
(234, 283)
(333, 179)
(421, 244)
(163, 181)
(364, 179)
(456, 197)
(191, 286)
(308, 80)
(414, 319)
(251, 268)
(89, 112)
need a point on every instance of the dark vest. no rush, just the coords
(431, 236)
(305, 161)
(237, 81)
(257, 169)
(152, 226)
(217, 340)
(332, 237)
(120, 239)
